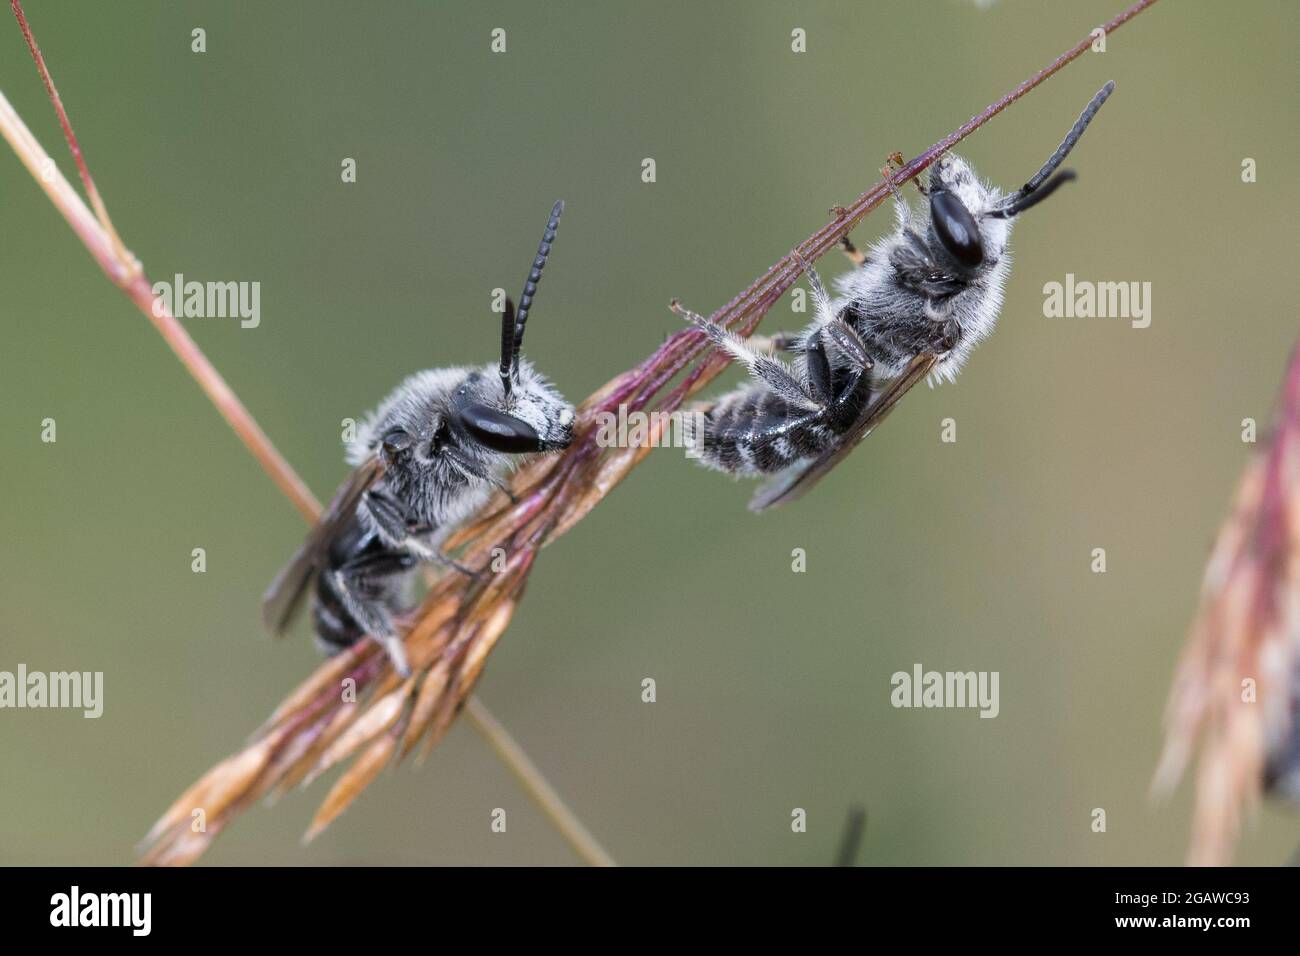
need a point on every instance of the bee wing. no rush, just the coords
(284, 596)
(795, 482)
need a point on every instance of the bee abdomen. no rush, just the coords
(336, 629)
(754, 432)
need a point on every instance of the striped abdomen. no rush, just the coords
(752, 431)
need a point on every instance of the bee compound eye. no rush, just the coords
(497, 430)
(955, 228)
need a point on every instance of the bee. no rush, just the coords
(914, 306)
(427, 458)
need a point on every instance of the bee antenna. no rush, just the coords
(1007, 210)
(507, 344)
(1024, 198)
(530, 288)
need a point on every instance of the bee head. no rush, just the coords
(967, 218)
(956, 198)
(520, 412)
(532, 417)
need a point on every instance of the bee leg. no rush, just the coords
(777, 441)
(821, 301)
(389, 516)
(888, 172)
(504, 488)
(856, 256)
(469, 471)
(363, 585)
(895, 161)
(817, 368)
(833, 327)
(848, 402)
(445, 561)
(836, 397)
(438, 557)
(846, 244)
(399, 531)
(395, 648)
(425, 552)
(848, 343)
(817, 365)
(770, 371)
(902, 210)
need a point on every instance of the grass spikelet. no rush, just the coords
(1233, 688)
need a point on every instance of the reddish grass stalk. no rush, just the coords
(451, 634)
(101, 211)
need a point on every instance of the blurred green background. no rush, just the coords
(773, 687)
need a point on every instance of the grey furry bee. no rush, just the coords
(916, 304)
(426, 458)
